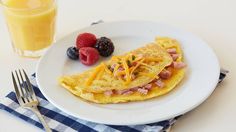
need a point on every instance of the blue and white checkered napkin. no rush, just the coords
(62, 122)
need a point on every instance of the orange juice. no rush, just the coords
(31, 24)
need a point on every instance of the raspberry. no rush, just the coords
(88, 55)
(85, 40)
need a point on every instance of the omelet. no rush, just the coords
(144, 73)
(102, 78)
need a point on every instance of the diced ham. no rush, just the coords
(134, 89)
(148, 86)
(133, 76)
(159, 83)
(113, 66)
(171, 51)
(134, 63)
(174, 56)
(108, 93)
(178, 65)
(115, 74)
(165, 74)
(123, 76)
(128, 93)
(122, 91)
(143, 91)
(120, 69)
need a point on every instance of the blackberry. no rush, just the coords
(105, 46)
(72, 53)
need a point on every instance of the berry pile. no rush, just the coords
(88, 48)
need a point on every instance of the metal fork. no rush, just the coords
(26, 96)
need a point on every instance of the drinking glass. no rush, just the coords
(31, 24)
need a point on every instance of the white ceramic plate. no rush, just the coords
(199, 82)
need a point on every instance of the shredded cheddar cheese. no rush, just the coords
(94, 74)
(136, 66)
(106, 69)
(115, 69)
(100, 74)
(127, 65)
(124, 64)
(120, 73)
(146, 65)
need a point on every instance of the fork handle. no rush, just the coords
(39, 115)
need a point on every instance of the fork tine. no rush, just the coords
(30, 88)
(20, 87)
(18, 96)
(25, 87)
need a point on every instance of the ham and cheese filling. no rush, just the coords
(119, 71)
(126, 68)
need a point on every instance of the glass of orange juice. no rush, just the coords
(31, 24)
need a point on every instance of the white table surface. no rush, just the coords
(213, 20)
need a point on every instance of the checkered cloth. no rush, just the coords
(62, 122)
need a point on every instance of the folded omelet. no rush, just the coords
(141, 74)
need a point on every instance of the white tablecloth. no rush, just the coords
(213, 20)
